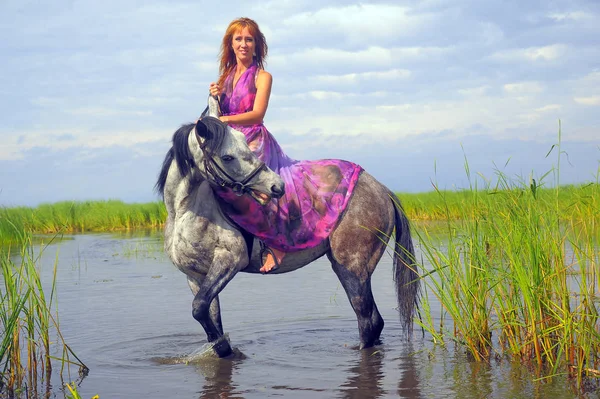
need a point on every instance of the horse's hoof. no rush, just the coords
(222, 347)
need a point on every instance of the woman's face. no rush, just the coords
(243, 45)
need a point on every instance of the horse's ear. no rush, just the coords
(202, 130)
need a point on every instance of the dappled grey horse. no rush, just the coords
(210, 249)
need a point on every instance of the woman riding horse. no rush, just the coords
(316, 192)
(325, 208)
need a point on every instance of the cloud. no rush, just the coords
(593, 100)
(544, 54)
(523, 88)
(360, 24)
(571, 16)
(17, 147)
(474, 91)
(104, 112)
(549, 107)
(354, 78)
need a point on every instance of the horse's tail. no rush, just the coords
(405, 273)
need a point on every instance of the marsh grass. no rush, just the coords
(518, 275)
(28, 321)
(18, 223)
(452, 205)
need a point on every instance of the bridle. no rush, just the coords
(221, 178)
(213, 169)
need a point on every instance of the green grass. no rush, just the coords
(457, 204)
(517, 273)
(28, 321)
(18, 223)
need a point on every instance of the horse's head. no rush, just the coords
(225, 159)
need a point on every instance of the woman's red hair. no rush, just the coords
(227, 56)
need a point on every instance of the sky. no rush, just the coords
(420, 93)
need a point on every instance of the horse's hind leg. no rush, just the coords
(358, 289)
(356, 250)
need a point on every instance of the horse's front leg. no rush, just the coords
(215, 308)
(205, 306)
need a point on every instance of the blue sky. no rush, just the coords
(91, 92)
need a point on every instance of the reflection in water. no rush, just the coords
(408, 386)
(471, 379)
(218, 377)
(364, 379)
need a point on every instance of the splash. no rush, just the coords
(206, 351)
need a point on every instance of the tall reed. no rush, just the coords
(28, 321)
(519, 274)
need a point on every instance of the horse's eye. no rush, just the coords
(227, 158)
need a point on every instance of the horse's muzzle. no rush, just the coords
(277, 190)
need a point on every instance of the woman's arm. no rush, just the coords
(264, 81)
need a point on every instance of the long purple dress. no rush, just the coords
(316, 192)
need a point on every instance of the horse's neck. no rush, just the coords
(190, 193)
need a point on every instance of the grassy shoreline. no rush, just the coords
(66, 217)
(19, 223)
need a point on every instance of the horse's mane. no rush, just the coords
(180, 150)
(216, 133)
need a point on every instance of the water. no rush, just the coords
(126, 312)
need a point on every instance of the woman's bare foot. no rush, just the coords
(270, 262)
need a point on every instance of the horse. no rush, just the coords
(210, 249)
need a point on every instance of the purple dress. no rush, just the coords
(316, 192)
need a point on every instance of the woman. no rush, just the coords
(316, 192)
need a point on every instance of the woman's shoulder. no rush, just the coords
(264, 74)
(263, 77)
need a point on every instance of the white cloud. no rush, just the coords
(15, 146)
(474, 91)
(523, 88)
(572, 16)
(420, 53)
(325, 95)
(361, 23)
(545, 53)
(549, 107)
(353, 78)
(324, 59)
(593, 100)
(585, 89)
(146, 101)
(104, 112)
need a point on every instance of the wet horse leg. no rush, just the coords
(205, 306)
(358, 290)
(356, 250)
(215, 309)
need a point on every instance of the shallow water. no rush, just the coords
(126, 312)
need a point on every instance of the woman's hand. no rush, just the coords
(214, 89)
